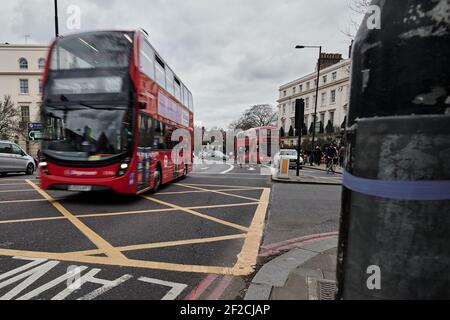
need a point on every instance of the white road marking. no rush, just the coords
(205, 168)
(36, 292)
(177, 288)
(31, 276)
(107, 284)
(34, 262)
(228, 170)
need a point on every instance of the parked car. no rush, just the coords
(14, 160)
(292, 155)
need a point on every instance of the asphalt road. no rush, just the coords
(188, 241)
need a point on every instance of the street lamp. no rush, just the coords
(317, 97)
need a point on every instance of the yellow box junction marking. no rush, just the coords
(114, 255)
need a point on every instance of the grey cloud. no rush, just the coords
(230, 53)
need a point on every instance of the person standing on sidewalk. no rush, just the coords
(317, 155)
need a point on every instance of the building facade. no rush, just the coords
(332, 102)
(21, 68)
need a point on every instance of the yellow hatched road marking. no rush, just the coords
(89, 233)
(218, 192)
(222, 186)
(18, 190)
(244, 265)
(122, 263)
(165, 244)
(198, 214)
(202, 191)
(29, 200)
(112, 214)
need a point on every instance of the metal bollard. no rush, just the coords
(395, 220)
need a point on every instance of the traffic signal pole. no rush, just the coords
(394, 238)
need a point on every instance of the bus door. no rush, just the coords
(143, 174)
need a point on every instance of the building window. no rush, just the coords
(293, 107)
(332, 117)
(294, 90)
(324, 98)
(24, 89)
(284, 93)
(314, 99)
(25, 114)
(23, 63)
(41, 63)
(315, 83)
(334, 76)
(307, 103)
(41, 86)
(301, 88)
(322, 118)
(325, 79)
(308, 86)
(284, 109)
(333, 96)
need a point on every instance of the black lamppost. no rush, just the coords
(56, 19)
(317, 97)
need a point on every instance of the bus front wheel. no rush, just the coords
(156, 179)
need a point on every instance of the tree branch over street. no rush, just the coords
(358, 9)
(256, 116)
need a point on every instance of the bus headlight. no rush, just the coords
(43, 166)
(124, 167)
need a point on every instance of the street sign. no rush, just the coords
(35, 131)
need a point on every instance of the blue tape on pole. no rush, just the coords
(399, 190)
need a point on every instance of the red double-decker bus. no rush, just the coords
(116, 116)
(256, 145)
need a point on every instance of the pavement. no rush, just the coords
(306, 272)
(198, 238)
(311, 175)
(297, 259)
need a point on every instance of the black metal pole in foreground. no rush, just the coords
(395, 224)
(56, 19)
(299, 118)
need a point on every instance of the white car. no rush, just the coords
(13, 159)
(291, 155)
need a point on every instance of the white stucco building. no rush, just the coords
(21, 68)
(333, 97)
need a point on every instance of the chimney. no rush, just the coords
(329, 59)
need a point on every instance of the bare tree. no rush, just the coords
(256, 116)
(358, 9)
(9, 119)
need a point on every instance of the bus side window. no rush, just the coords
(160, 72)
(185, 96)
(145, 132)
(147, 59)
(191, 102)
(159, 139)
(178, 89)
(169, 81)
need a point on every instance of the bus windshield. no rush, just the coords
(87, 133)
(92, 50)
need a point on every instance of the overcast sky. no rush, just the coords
(232, 54)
